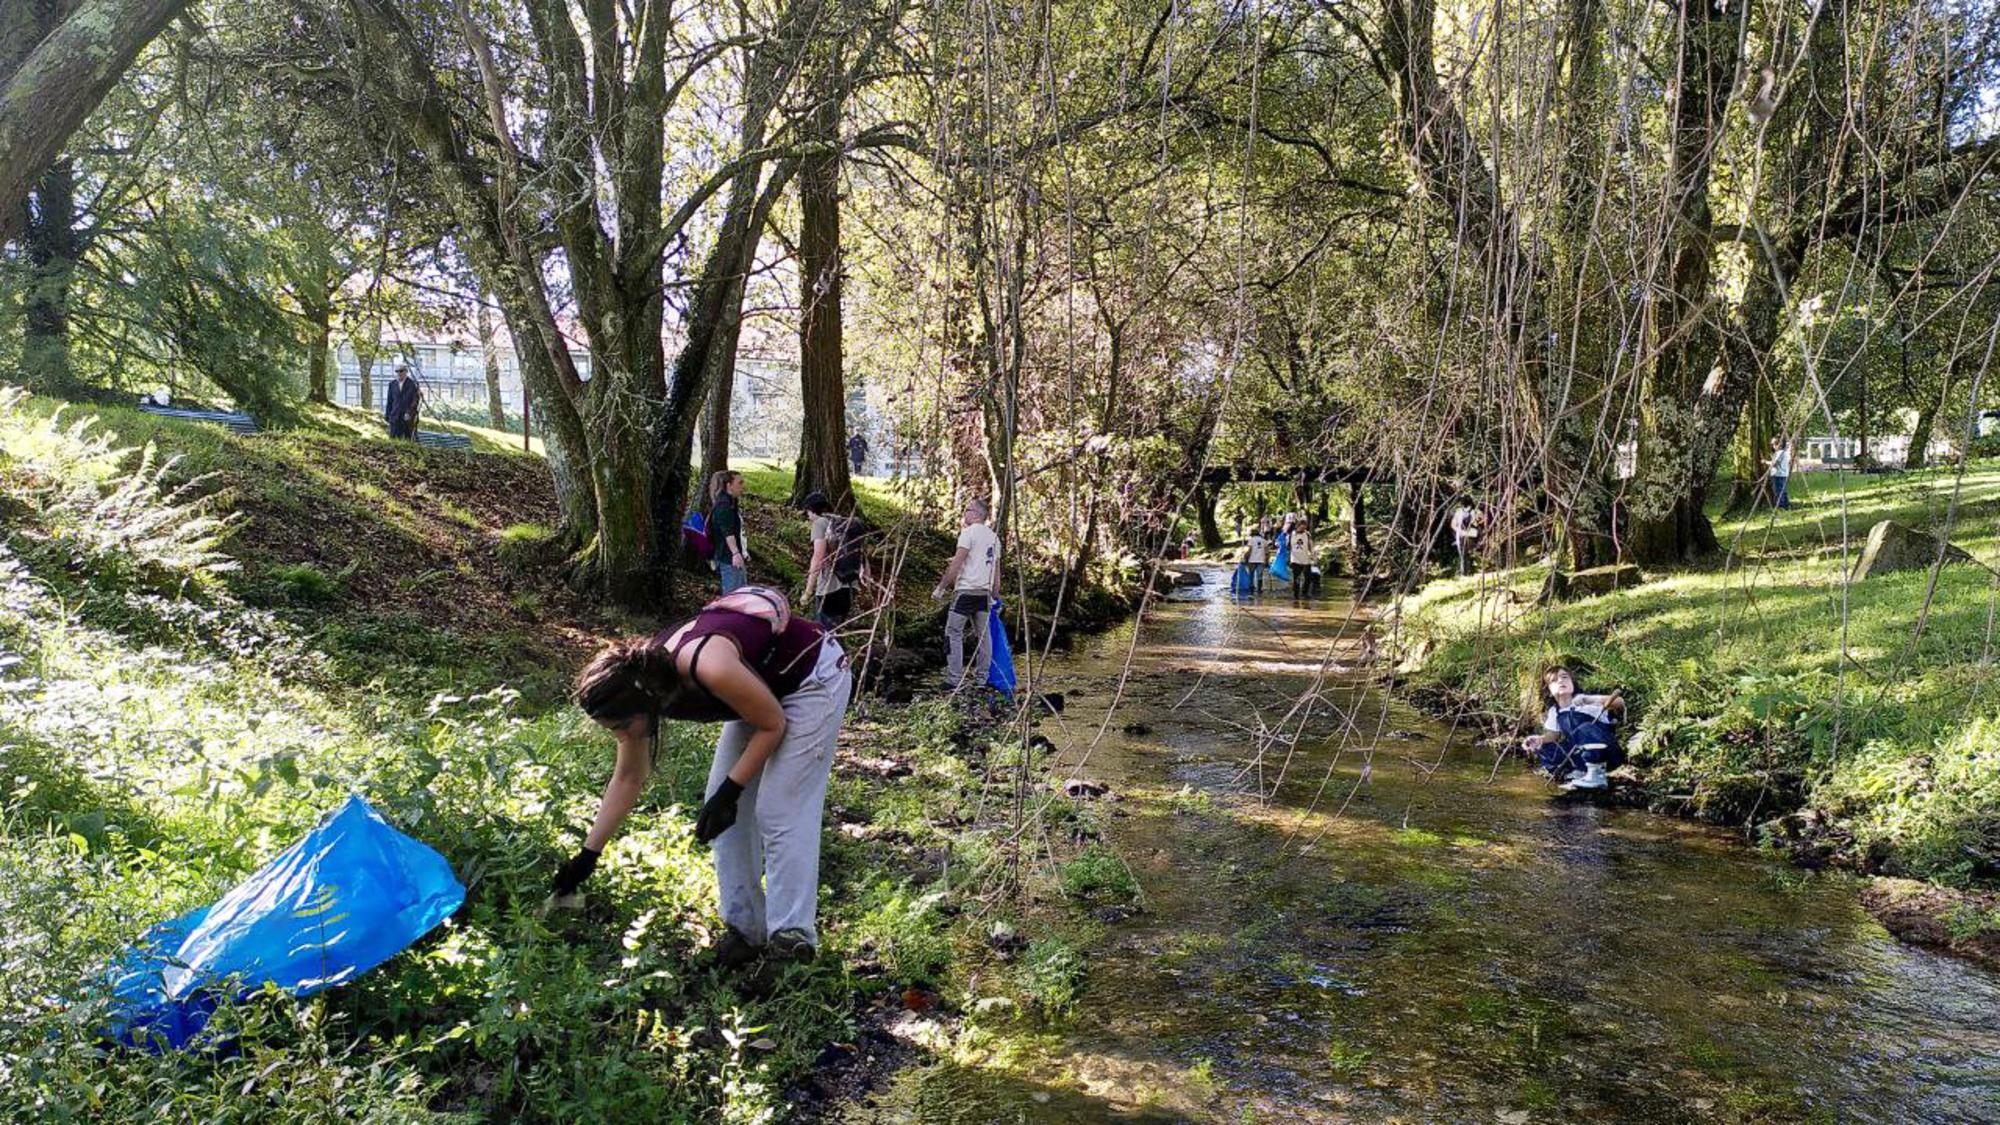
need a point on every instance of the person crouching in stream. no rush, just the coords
(1580, 733)
(780, 685)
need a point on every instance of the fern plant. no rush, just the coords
(72, 478)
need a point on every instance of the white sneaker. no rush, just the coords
(1593, 778)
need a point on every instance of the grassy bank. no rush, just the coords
(190, 679)
(1766, 689)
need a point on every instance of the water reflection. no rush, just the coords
(1403, 932)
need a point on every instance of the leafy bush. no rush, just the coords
(907, 932)
(304, 584)
(1052, 974)
(108, 507)
(1098, 875)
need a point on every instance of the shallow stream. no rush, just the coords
(1408, 930)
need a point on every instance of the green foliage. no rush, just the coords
(304, 584)
(109, 507)
(1768, 683)
(159, 739)
(907, 931)
(1098, 875)
(1053, 974)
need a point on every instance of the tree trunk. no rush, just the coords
(489, 356)
(1748, 485)
(52, 248)
(1205, 500)
(364, 347)
(319, 321)
(1920, 437)
(1862, 460)
(715, 409)
(1357, 531)
(58, 84)
(1668, 523)
(707, 361)
(822, 465)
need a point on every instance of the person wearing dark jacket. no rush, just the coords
(779, 684)
(400, 410)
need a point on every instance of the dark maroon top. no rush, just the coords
(783, 660)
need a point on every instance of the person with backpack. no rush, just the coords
(780, 685)
(837, 557)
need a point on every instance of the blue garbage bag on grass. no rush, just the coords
(350, 895)
(1000, 675)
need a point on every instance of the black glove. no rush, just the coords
(718, 813)
(574, 871)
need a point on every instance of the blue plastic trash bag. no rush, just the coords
(1000, 675)
(1241, 583)
(695, 522)
(1281, 565)
(350, 895)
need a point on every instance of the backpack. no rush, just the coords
(850, 553)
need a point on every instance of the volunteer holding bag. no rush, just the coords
(780, 686)
(972, 578)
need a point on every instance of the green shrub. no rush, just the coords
(907, 933)
(1097, 875)
(1052, 975)
(305, 584)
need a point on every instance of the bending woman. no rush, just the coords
(780, 686)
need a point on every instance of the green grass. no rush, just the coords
(162, 735)
(1763, 680)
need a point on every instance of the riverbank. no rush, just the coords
(1350, 915)
(190, 679)
(1768, 694)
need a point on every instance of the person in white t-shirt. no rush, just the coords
(1257, 552)
(972, 577)
(1781, 472)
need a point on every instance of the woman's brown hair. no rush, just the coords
(628, 678)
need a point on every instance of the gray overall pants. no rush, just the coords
(968, 609)
(767, 863)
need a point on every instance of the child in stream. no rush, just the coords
(1580, 737)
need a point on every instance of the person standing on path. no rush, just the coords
(857, 452)
(830, 591)
(971, 578)
(400, 407)
(780, 687)
(725, 530)
(1781, 472)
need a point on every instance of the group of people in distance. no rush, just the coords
(1291, 545)
(779, 682)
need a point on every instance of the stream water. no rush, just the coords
(1380, 923)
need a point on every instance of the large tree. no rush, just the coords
(58, 58)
